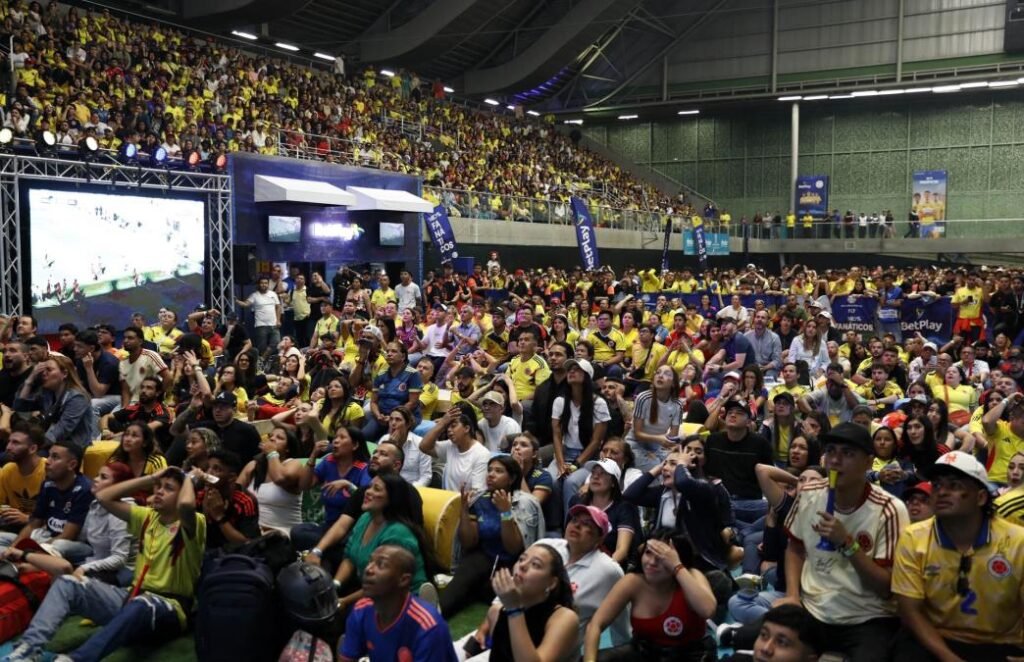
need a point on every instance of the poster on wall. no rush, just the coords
(929, 202)
(812, 196)
(715, 243)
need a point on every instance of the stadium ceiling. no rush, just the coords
(545, 54)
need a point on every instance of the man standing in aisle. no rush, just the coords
(267, 314)
(408, 293)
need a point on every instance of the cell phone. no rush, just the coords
(210, 479)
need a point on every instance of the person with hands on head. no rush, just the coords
(494, 527)
(535, 619)
(579, 420)
(657, 415)
(273, 478)
(846, 588)
(172, 539)
(1003, 425)
(669, 600)
(465, 458)
(389, 621)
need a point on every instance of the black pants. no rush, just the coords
(907, 648)
(470, 583)
(866, 642)
(703, 650)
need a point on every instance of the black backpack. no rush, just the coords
(238, 617)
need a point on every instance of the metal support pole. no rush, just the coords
(899, 42)
(664, 78)
(794, 155)
(775, 45)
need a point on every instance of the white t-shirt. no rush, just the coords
(434, 334)
(832, 590)
(264, 307)
(571, 437)
(496, 435)
(417, 468)
(408, 296)
(469, 468)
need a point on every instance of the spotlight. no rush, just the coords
(219, 161)
(159, 157)
(46, 143)
(193, 158)
(6, 139)
(129, 152)
(87, 148)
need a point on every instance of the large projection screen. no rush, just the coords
(98, 257)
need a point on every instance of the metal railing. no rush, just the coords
(519, 209)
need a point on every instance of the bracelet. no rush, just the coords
(316, 551)
(506, 516)
(848, 550)
(675, 570)
(272, 454)
(518, 611)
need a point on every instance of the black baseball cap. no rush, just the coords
(849, 434)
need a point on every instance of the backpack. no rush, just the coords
(238, 617)
(20, 596)
(274, 549)
(304, 647)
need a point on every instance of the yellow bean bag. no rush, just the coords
(96, 456)
(441, 510)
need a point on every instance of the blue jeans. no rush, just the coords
(749, 515)
(105, 405)
(144, 616)
(748, 606)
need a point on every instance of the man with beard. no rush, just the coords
(17, 368)
(149, 410)
(21, 479)
(835, 399)
(237, 436)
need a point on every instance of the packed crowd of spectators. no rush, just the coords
(82, 72)
(628, 469)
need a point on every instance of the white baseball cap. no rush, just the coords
(962, 463)
(609, 466)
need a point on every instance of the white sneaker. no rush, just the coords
(23, 653)
(749, 581)
(63, 658)
(428, 593)
(724, 633)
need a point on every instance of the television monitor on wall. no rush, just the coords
(96, 257)
(392, 234)
(284, 229)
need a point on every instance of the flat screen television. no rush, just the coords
(284, 229)
(392, 234)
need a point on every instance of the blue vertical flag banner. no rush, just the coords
(929, 201)
(441, 233)
(585, 236)
(664, 248)
(812, 196)
(700, 244)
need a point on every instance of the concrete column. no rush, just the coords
(794, 155)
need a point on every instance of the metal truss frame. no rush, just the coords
(18, 168)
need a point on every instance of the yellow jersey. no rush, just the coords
(927, 567)
(527, 375)
(607, 345)
(1002, 445)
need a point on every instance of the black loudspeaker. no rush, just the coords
(245, 264)
(1013, 34)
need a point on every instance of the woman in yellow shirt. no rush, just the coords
(138, 450)
(338, 410)
(959, 397)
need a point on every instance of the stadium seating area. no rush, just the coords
(157, 86)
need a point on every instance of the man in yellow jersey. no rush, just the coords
(967, 301)
(959, 576)
(527, 370)
(1005, 438)
(790, 225)
(609, 345)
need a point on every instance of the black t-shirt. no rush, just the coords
(106, 369)
(237, 436)
(10, 384)
(243, 513)
(734, 462)
(621, 514)
(235, 342)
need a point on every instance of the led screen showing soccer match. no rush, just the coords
(99, 257)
